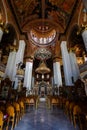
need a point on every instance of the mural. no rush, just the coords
(58, 11)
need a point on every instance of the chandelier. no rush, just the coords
(42, 69)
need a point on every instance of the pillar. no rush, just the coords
(19, 56)
(20, 53)
(10, 65)
(57, 74)
(1, 34)
(28, 75)
(74, 66)
(66, 64)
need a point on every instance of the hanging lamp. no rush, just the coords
(42, 69)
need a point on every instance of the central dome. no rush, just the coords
(42, 33)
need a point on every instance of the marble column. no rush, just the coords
(10, 65)
(84, 36)
(20, 53)
(57, 74)
(28, 75)
(19, 56)
(66, 64)
(74, 66)
(1, 34)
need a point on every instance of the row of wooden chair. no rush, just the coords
(31, 101)
(74, 112)
(14, 110)
(71, 109)
(52, 101)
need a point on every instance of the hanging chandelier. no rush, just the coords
(42, 69)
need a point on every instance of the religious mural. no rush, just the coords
(55, 10)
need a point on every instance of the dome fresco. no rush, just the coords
(59, 11)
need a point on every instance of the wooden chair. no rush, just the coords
(67, 107)
(71, 106)
(1, 120)
(17, 112)
(26, 101)
(54, 102)
(11, 116)
(32, 102)
(77, 116)
(22, 108)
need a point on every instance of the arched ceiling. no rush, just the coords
(58, 11)
(56, 14)
(44, 16)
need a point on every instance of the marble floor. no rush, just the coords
(44, 119)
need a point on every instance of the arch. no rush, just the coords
(75, 41)
(43, 88)
(7, 42)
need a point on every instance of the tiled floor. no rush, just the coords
(44, 119)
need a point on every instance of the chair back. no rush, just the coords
(1, 120)
(76, 110)
(72, 104)
(21, 104)
(10, 111)
(17, 106)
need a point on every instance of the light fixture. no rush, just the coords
(42, 69)
(42, 76)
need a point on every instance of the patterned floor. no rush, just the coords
(44, 119)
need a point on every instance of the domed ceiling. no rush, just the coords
(58, 11)
(43, 22)
(39, 18)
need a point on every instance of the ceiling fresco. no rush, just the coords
(42, 16)
(59, 11)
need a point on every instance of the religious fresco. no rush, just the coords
(58, 11)
(26, 10)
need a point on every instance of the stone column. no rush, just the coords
(28, 75)
(19, 56)
(57, 74)
(74, 66)
(20, 53)
(66, 64)
(1, 34)
(10, 65)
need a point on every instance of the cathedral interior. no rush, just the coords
(43, 64)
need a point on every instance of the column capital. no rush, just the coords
(29, 59)
(56, 58)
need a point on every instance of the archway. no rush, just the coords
(43, 88)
